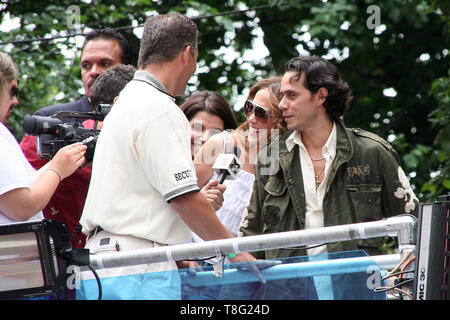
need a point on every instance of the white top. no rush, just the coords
(314, 197)
(15, 170)
(236, 196)
(142, 161)
(235, 201)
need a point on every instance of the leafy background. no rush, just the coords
(398, 71)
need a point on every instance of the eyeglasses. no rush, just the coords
(261, 113)
(14, 92)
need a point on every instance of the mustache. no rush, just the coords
(91, 81)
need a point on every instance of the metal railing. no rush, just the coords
(403, 227)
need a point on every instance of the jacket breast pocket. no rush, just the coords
(367, 206)
(366, 200)
(275, 204)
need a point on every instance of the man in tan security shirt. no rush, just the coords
(143, 190)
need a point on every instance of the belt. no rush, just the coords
(95, 231)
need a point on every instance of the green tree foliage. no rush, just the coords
(396, 63)
(440, 118)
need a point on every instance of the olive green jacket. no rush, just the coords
(366, 183)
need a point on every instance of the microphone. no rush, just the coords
(228, 164)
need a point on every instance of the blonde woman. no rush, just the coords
(24, 192)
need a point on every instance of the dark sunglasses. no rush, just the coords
(261, 113)
(14, 92)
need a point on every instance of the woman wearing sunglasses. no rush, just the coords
(23, 191)
(264, 123)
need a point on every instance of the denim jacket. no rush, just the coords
(366, 183)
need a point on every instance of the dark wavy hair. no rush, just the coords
(109, 84)
(210, 102)
(320, 73)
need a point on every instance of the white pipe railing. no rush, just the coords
(403, 227)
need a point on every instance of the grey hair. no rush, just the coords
(165, 36)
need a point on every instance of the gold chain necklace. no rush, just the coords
(318, 176)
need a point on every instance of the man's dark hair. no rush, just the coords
(165, 36)
(319, 73)
(109, 84)
(111, 34)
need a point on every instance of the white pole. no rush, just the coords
(402, 227)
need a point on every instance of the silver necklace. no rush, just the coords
(317, 159)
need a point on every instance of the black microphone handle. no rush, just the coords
(222, 176)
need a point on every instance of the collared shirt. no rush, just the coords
(144, 76)
(314, 196)
(142, 161)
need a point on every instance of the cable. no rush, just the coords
(227, 13)
(396, 274)
(98, 281)
(403, 264)
(304, 247)
(406, 265)
(202, 259)
(398, 266)
(395, 287)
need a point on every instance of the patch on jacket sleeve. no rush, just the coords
(405, 192)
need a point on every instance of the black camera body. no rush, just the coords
(52, 133)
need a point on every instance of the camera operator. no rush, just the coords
(144, 191)
(23, 191)
(102, 49)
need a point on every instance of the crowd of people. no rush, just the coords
(151, 182)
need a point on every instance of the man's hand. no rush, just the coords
(213, 191)
(187, 264)
(242, 257)
(253, 265)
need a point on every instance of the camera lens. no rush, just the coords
(35, 125)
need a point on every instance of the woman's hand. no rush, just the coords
(68, 159)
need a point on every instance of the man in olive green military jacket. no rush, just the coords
(325, 173)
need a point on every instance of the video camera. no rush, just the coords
(53, 134)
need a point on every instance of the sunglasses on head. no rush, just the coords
(261, 113)
(14, 92)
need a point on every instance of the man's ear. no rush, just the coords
(185, 54)
(322, 94)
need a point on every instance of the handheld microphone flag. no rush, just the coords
(228, 164)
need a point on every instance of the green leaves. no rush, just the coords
(407, 52)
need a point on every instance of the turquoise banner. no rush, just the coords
(336, 276)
